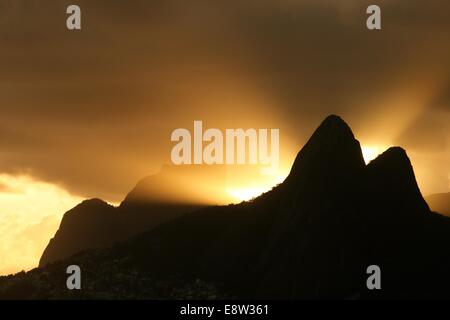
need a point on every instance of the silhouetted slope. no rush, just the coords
(439, 202)
(313, 236)
(314, 232)
(90, 224)
(391, 180)
(397, 235)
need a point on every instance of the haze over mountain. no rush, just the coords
(313, 236)
(154, 200)
(94, 223)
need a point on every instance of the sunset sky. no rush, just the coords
(88, 113)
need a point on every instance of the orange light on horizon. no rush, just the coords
(247, 190)
(245, 194)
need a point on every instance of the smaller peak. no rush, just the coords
(394, 164)
(397, 151)
(93, 201)
(393, 154)
(90, 203)
(392, 173)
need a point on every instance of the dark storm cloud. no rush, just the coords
(93, 110)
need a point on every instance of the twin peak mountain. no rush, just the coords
(328, 171)
(311, 236)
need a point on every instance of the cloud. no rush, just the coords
(92, 111)
(21, 247)
(4, 188)
(30, 212)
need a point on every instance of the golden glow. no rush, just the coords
(245, 194)
(371, 152)
(246, 190)
(30, 213)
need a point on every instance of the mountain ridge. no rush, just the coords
(313, 236)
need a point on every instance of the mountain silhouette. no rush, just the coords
(95, 224)
(89, 225)
(439, 202)
(313, 236)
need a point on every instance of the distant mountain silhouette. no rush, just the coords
(313, 236)
(439, 202)
(95, 224)
(90, 224)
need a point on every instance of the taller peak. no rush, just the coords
(332, 148)
(335, 125)
(333, 118)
